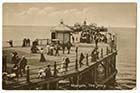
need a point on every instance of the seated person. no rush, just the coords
(41, 73)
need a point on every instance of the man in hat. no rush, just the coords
(48, 71)
(67, 61)
(81, 59)
(10, 43)
(69, 45)
(23, 64)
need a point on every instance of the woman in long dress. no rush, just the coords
(42, 58)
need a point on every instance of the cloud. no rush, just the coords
(48, 15)
(37, 11)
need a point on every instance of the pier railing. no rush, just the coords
(19, 43)
(104, 67)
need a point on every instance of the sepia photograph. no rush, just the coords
(69, 46)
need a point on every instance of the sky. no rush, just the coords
(48, 14)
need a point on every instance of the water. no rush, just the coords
(126, 58)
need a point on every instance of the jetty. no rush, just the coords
(100, 73)
(97, 72)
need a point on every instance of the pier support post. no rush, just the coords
(106, 68)
(77, 82)
(76, 61)
(48, 86)
(87, 59)
(95, 74)
(76, 64)
(55, 70)
(107, 51)
(28, 75)
(101, 52)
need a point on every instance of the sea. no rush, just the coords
(126, 45)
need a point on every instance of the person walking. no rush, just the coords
(51, 50)
(96, 38)
(63, 48)
(48, 71)
(67, 61)
(42, 57)
(93, 59)
(69, 46)
(48, 49)
(24, 42)
(23, 64)
(13, 59)
(81, 59)
(57, 50)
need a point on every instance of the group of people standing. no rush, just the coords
(51, 48)
(26, 42)
(54, 48)
(19, 64)
(45, 73)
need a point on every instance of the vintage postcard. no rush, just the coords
(69, 46)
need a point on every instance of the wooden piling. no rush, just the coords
(76, 61)
(77, 82)
(95, 73)
(55, 69)
(107, 51)
(48, 86)
(107, 67)
(76, 64)
(28, 75)
(87, 60)
(101, 52)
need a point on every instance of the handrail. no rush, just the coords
(58, 66)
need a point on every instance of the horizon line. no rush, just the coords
(70, 25)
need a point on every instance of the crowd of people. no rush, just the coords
(52, 49)
(47, 72)
(96, 37)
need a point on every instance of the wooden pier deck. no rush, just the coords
(106, 59)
